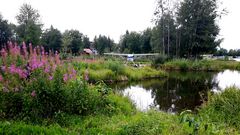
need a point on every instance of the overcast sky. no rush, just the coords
(112, 17)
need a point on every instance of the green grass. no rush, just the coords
(143, 73)
(116, 71)
(200, 65)
(224, 108)
(20, 128)
(140, 123)
(218, 116)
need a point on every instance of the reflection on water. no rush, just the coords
(237, 59)
(142, 98)
(180, 91)
(227, 78)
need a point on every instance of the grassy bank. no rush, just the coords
(220, 115)
(110, 71)
(139, 123)
(200, 65)
(223, 108)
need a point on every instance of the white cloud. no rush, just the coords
(229, 25)
(91, 17)
(111, 17)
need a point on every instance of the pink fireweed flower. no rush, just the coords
(1, 78)
(14, 49)
(24, 45)
(33, 94)
(30, 48)
(50, 77)
(24, 50)
(10, 47)
(3, 52)
(3, 68)
(54, 66)
(47, 69)
(12, 69)
(57, 59)
(4, 55)
(74, 72)
(70, 76)
(38, 50)
(65, 77)
(16, 70)
(42, 50)
(5, 90)
(40, 64)
(86, 77)
(22, 73)
(16, 89)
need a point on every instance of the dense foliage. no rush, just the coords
(5, 31)
(52, 39)
(199, 30)
(36, 85)
(211, 119)
(29, 28)
(225, 52)
(185, 29)
(113, 71)
(200, 65)
(103, 44)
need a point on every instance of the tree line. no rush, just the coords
(225, 52)
(182, 29)
(30, 30)
(186, 28)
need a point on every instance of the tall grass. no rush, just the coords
(200, 65)
(223, 108)
(116, 71)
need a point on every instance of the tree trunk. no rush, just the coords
(168, 37)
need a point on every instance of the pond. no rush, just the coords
(178, 92)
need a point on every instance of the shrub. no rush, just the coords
(161, 59)
(223, 107)
(42, 97)
(41, 87)
(101, 74)
(117, 67)
(81, 99)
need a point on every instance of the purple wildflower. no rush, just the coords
(1, 78)
(12, 69)
(33, 94)
(65, 77)
(3, 68)
(86, 77)
(50, 77)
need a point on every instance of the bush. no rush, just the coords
(102, 74)
(203, 65)
(42, 97)
(83, 100)
(117, 67)
(223, 107)
(161, 59)
(11, 104)
(42, 87)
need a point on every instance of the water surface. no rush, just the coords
(178, 92)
